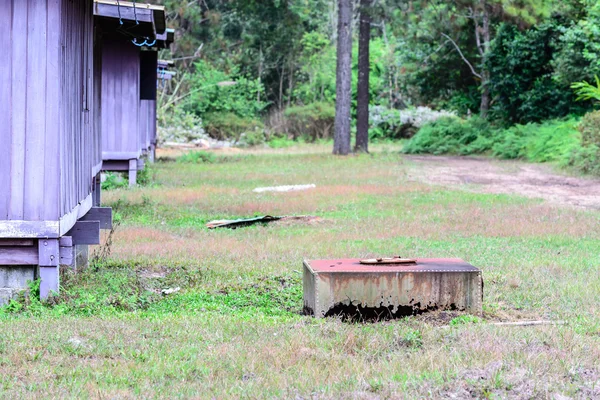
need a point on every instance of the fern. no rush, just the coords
(586, 91)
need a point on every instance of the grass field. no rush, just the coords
(235, 328)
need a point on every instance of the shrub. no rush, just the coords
(450, 135)
(521, 82)
(388, 123)
(197, 157)
(114, 180)
(589, 127)
(231, 127)
(314, 121)
(547, 142)
(586, 157)
(214, 91)
(178, 126)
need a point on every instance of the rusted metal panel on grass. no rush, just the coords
(430, 284)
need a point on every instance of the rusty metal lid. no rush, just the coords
(421, 265)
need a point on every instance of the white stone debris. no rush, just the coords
(170, 291)
(285, 188)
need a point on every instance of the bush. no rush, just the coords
(521, 75)
(450, 135)
(548, 142)
(388, 123)
(314, 121)
(586, 157)
(231, 127)
(114, 180)
(197, 157)
(178, 126)
(214, 91)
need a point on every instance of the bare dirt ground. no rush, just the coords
(486, 175)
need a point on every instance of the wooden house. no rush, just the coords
(50, 153)
(125, 28)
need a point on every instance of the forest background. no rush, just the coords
(497, 77)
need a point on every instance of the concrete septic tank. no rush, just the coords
(333, 287)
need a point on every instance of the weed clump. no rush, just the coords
(197, 157)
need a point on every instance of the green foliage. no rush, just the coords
(232, 127)
(389, 123)
(314, 121)
(178, 125)
(216, 92)
(578, 57)
(586, 91)
(552, 141)
(586, 157)
(452, 136)
(317, 71)
(275, 295)
(465, 319)
(281, 142)
(412, 339)
(145, 177)
(114, 180)
(197, 157)
(522, 83)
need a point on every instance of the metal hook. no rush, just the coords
(119, 10)
(134, 41)
(135, 13)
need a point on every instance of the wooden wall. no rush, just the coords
(46, 115)
(120, 100)
(148, 123)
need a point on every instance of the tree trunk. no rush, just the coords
(341, 138)
(485, 74)
(362, 108)
(484, 106)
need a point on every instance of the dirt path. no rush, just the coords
(508, 177)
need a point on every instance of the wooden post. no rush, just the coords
(49, 260)
(152, 153)
(132, 172)
(97, 189)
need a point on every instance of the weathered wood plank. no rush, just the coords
(6, 114)
(49, 284)
(16, 242)
(29, 229)
(51, 146)
(100, 214)
(85, 232)
(19, 255)
(35, 125)
(125, 11)
(48, 251)
(133, 164)
(115, 165)
(67, 255)
(20, 22)
(65, 241)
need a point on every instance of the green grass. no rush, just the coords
(235, 329)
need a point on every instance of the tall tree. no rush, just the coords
(364, 68)
(341, 139)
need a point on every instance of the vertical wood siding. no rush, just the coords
(148, 122)
(46, 108)
(120, 100)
